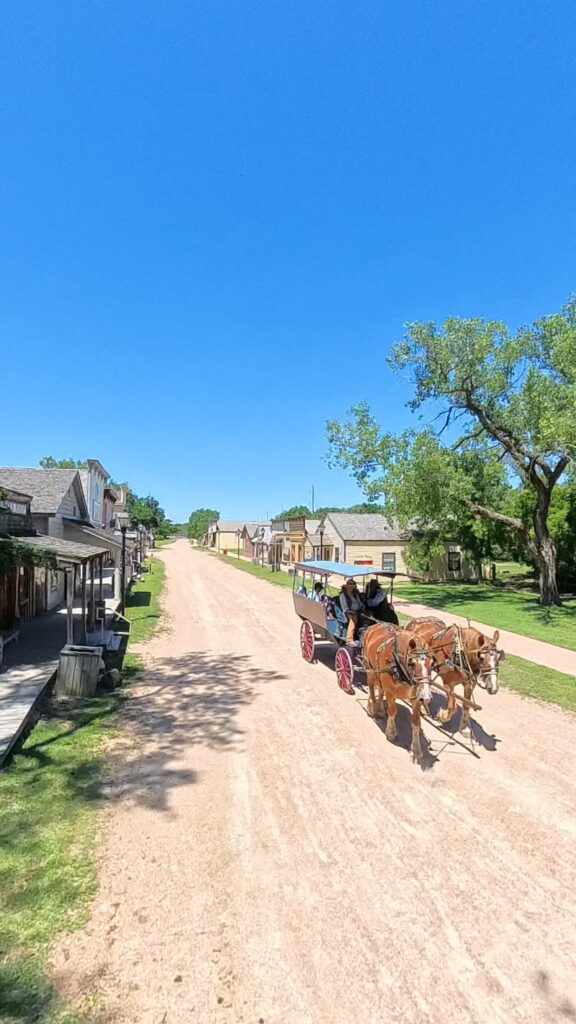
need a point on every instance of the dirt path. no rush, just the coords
(271, 858)
(538, 651)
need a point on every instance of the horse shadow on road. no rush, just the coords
(325, 656)
(450, 732)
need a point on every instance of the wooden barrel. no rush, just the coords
(78, 671)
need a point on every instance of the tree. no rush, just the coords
(199, 522)
(49, 462)
(296, 510)
(148, 512)
(562, 525)
(513, 400)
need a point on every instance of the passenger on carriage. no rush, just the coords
(351, 605)
(318, 592)
(377, 604)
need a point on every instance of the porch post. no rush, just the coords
(70, 580)
(92, 616)
(101, 587)
(83, 631)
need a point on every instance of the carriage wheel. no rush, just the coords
(344, 669)
(307, 645)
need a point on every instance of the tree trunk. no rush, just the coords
(541, 548)
(545, 554)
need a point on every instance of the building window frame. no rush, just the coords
(388, 561)
(454, 561)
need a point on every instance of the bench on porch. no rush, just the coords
(5, 637)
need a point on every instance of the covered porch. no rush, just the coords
(86, 617)
(85, 574)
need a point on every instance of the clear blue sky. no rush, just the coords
(216, 217)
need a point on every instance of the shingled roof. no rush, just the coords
(369, 526)
(47, 486)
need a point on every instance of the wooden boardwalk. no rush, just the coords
(28, 668)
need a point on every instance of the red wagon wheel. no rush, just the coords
(307, 644)
(344, 669)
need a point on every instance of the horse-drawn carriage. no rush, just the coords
(324, 621)
(405, 663)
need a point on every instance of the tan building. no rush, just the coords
(299, 538)
(373, 540)
(225, 535)
(363, 539)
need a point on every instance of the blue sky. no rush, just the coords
(216, 217)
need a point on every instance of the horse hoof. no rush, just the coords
(466, 733)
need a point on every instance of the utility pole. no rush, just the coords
(312, 499)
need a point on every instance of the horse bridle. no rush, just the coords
(459, 653)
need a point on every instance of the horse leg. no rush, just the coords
(391, 731)
(371, 709)
(465, 720)
(416, 748)
(447, 714)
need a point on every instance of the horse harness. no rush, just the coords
(397, 670)
(460, 660)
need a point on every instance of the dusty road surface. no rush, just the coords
(270, 857)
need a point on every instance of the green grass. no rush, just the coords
(532, 680)
(515, 610)
(506, 571)
(143, 606)
(50, 803)
(50, 797)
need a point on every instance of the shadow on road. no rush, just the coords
(180, 702)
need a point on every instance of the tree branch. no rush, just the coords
(559, 468)
(525, 461)
(468, 437)
(510, 521)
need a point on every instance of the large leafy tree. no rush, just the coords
(149, 513)
(199, 522)
(502, 400)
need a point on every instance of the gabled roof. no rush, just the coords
(47, 486)
(369, 526)
(228, 525)
(311, 525)
(253, 529)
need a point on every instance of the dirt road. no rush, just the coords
(269, 857)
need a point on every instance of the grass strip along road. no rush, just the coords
(518, 611)
(524, 677)
(50, 797)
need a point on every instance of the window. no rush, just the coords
(336, 554)
(454, 561)
(389, 561)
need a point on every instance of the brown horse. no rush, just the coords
(464, 657)
(398, 667)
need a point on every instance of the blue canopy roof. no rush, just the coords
(342, 569)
